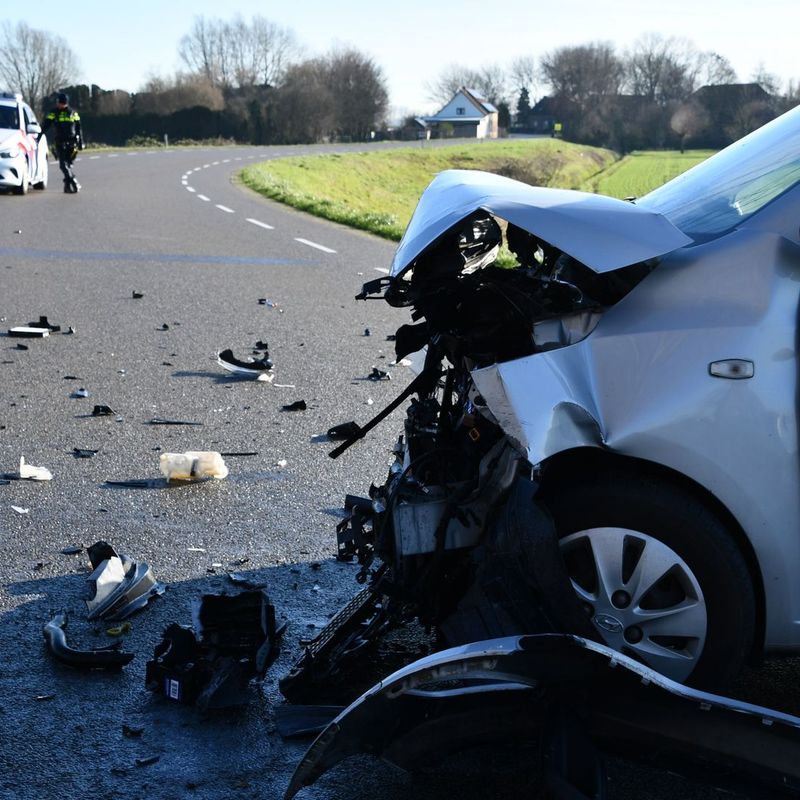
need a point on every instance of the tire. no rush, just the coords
(659, 575)
(25, 185)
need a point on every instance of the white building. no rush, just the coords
(469, 114)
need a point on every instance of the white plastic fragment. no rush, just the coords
(31, 473)
(265, 377)
(192, 465)
(20, 510)
(282, 463)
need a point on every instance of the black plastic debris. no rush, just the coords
(44, 324)
(69, 331)
(131, 731)
(121, 586)
(232, 641)
(137, 295)
(102, 411)
(84, 452)
(379, 375)
(298, 405)
(72, 551)
(239, 454)
(164, 327)
(138, 483)
(78, 393)
(367, 332)
(345, 430)
(261, 345)
(162, 421)
(110, 657)
(21, 346)
(253, 367)
(391, 337)
(147, 761)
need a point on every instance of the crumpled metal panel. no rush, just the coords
(640, 386)
(601, 232)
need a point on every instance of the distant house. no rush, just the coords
(734, 109)
(549, 112)
(468, 114)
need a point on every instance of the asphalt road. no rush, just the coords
(174, 226)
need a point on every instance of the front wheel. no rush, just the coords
(25, 182)
(658, 574)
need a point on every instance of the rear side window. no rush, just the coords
(9, 117)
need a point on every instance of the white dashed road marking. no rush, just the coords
(315, 245)
(203, 197)
(382, 269)
(92, 158)
(261, 224)
(191, 189)
(225, 209)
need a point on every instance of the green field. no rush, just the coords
(642, 171)
(378, 191)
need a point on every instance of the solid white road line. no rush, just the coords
(203, 197)
(261, 224)
(314, 244)
(225, 209)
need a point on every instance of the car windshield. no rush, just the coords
(720, 193)
(9, 117)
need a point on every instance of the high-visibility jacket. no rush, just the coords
(67, 123)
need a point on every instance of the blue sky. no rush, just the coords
(415, 40)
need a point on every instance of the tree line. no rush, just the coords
(249, 80)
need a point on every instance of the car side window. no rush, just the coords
(26, 116)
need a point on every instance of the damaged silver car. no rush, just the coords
(602, 439)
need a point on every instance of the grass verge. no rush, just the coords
(378, 191)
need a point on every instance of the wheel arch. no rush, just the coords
(571, 465)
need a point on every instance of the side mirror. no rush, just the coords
(34, 128)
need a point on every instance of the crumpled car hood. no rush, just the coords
(601, 232)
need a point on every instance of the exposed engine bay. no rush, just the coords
(455, 537)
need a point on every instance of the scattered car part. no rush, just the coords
(147, 761)
(254, 368)
(121, 586)
(232, 641)
(84, 452)
(28, 472)
(379, 375)
(101, 658)
(119, 630)
(162, 421)
(345, 430)
(192, 465)
(239, 454)
(524, 688)
(28, 332)
(72, 550)
(137, 295)
(298, 405)
(20, 510)
(164, 327)
(78, 393)
(102, 411)
(137, 483)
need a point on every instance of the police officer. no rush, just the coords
(69, 139)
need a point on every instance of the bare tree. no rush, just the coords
(581, 72)
(661, 69)
(238, 54)
(489, 81)
(768, 81)
(523, 75)
(34, 62)
(358, 89)
(713, 69)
